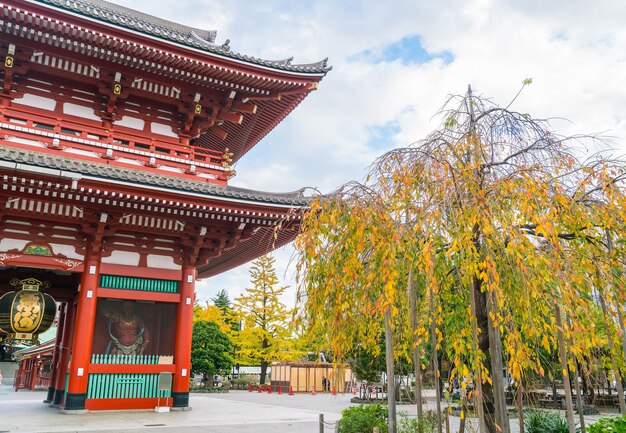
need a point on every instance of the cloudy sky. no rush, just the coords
(394, 63)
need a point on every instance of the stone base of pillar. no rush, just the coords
(50, 396)
(58, 397)
(180, 401)
(74, 402)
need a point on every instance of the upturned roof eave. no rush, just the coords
(195, 44)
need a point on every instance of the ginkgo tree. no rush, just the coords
(492, 219)
(265, 334)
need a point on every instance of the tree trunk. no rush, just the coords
(435, 356)
(417, 356)
(495, 350)
(520, 405)
(391, 385)
(263, 372)
(579, 399)
(614, 363)
(482, 322)
(563, 355)
(478, 381)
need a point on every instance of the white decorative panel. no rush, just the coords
(131, 122)
(162, 262)
(37, 101)
(81, 152)
(7, 244)
(207, 176)
(25, 141)
(66, 250)
(160, 128)
(122, 258)
(129, 161)
(79, 111)
(169, 168)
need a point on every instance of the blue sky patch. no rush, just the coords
(408, 50)
(381, 137)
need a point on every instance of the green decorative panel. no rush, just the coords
(124, 359)
(136, 283)
(125, 386)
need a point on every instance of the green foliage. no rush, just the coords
(538, 421)
(427, 424)
(210, 349)
(363, 418)
(222, 301)
(608, 425)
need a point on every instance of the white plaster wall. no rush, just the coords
(131, 122)
(37, 101)
(7, 244)
(122, 258)
(162, 262)
(163, 129)
(80, 111)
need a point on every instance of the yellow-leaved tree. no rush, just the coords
(265, 334)
(497, 238)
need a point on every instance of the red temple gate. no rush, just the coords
(118, 132)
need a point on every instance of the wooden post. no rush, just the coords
(68, 331)
(321, 423)
(54, 365)
(182, 346)
(83, 332)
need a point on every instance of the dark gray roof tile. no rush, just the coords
(174, 32)
(21, 156)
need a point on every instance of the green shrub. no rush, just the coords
(608, 425)
(538, 421)
(363, 418)
(428, 423)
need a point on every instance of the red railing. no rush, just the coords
(129, 144)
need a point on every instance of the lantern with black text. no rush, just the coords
(28, 312)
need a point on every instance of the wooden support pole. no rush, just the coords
(83, 334)
(66, 342)
(182, 346)
(54, 365)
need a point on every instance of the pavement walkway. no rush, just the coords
(233, 412)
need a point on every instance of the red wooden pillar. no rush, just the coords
(66, 341)
(57, 352)
(83, 334)
(34, 362)
(182, 348)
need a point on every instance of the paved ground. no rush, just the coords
(235, 412)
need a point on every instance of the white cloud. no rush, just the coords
(574, 50)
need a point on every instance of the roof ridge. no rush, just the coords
(132, 19)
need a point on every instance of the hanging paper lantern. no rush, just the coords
(28, 312)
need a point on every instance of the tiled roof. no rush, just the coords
(170, 31)
(21, 156)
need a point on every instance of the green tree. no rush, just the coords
(265, 334)
(210, 349)
(222, 301)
